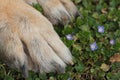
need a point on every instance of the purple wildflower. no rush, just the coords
(112, 41)
(69, 37)
(101, 29)
(93, 46)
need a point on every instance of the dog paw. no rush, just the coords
(28, 41)
(59, 11)
(11, 49)
(44, 46)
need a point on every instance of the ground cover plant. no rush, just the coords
(93, 39)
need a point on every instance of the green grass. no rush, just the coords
(88, 64)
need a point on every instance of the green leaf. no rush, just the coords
(8, 78)
(80, 67)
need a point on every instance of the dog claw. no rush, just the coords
(24, 71)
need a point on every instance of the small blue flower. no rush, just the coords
(69, 78)
(101, 29)
(69, 37)
(93, 46)
(112, 41)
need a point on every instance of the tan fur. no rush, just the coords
(57, 11)
(28, 40)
